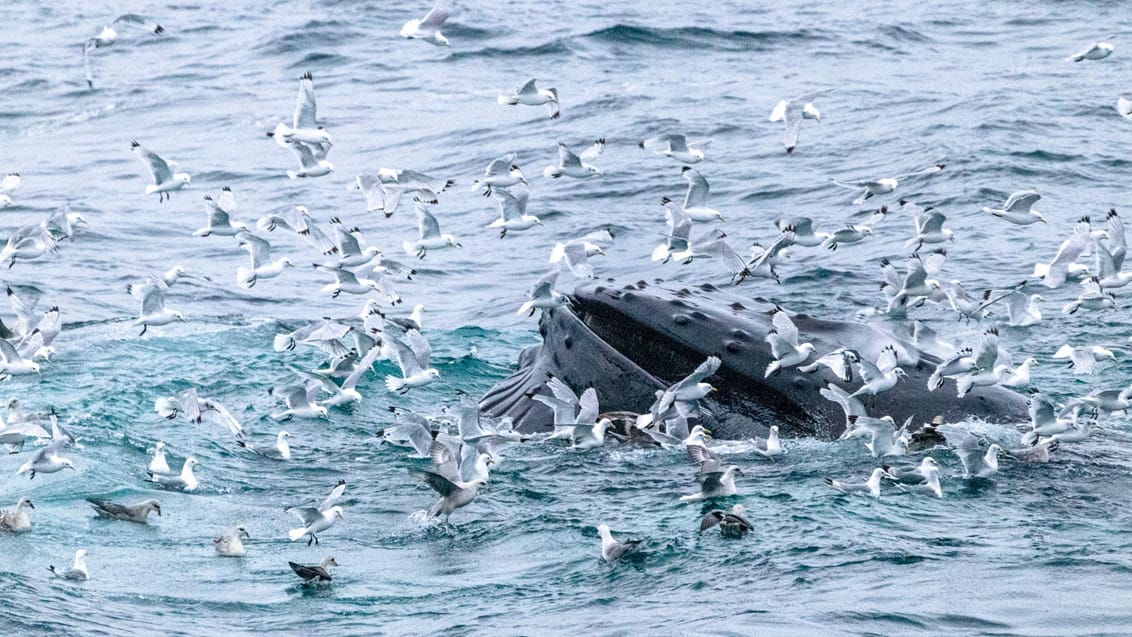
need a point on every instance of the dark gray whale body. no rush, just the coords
(627, 341)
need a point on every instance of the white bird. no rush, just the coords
(219, 216)
(681, 400)
(231, 545)
(10, 182)
(784, 343)
(281, 450)
(531, 95)
(366, 279)
(500, 173)
(1095, 51)
(770, 446)
(428, 27)
(1059, 269)
(412, 353)
(879, 377)
(47, 460)
(542, 295)
(13, 363)
(301, 401)
(262, 266)
(695, 200)
(930, 485)
(314, 521)
(976, 462)
(78, 570)
(874, 187)
(915, 287)
(1021, 310)
(151, 294)
(1092, 297)
(791, 113)
(429, 236)
(17, 520)
(840, 361)
(165, 180)
(803, 230)
(384, 190)
(304, 128)
(1019, 376)
(986, 371)
(1018, 209)
(575, 253)
(611, 549)
(159, 464)
(513, 212)
(870, 486)
(108, 35)
(571, 165)
(677, 147)
(316, 575)
(844, 236)
(184, 481)
(62, 223)
(312, 159)
(715, 480)
(27, 243)
(929, 230)
(1084, 358)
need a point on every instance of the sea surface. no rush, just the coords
(981, 87)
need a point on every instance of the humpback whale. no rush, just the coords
(629, 340)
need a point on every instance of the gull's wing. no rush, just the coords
(141, 21)
(227, 200)
(334, 496)
(698, 188)
(850, 405)
(158, 169)
(679, 223)
(304, 153)
(304, 104)
(987, 354)
(588, 406)
(502, 165)
(703, 371)
(784, 326)
(405, 357)
(509, 208)
(562, 391)
(420, 347)
(719, 248)
(779, 110)
(566, 157)
(887, 360)
(574, 254)
(1068, 252)
(594, 151)
(1021, 201)
(216, 215)
(371, 188)
(527, 89)
(1103, 261)
(310, 572)
(868, 371)
(930, 223)
(306, 515)
(152, 299)
(427, 225)
(1116, 238)
(435, 18)
(930, 170)
(257, 247)
(916, 275)
(439, 483)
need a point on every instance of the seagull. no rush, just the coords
(716, 481)
(151, 293)
(12, 363)
(771, 446)
(60, 224)
(413, 353)
(108, 35)
(542, 295)
(845, 236)
(17, 520)
(870, 486)
(677, 147)
(803, 230)
(27, 243)
(929, 230)
(840, 361)
(1124, 107)
(884, 438)
(335, 495)
(312, 159)
(279, 451)
(531, 95)
(10, 182)
(575, 253)
(931, 485)
(299, 221)
(428, 27)
(915, 287)
(429, 236)
(695, 199)
(784, 345)
(300, 401)
(986, 371)
(571, 165)
(314, 521)
(231, 545)
(184, 481)
(1021, 310)
(135, 513)
(1060, 267)
(500, 173)
(318, 575)
(1095, 51)
(262, 267)
(454, 494)
(1084, 358)
(962, 362)
(879, 377)
(219, 220)
(873, 187)
(612, 550)
(164, 180)
(77, 571)
(917, 475)
(684, 395)
(1092, 297)
(361, 281)
(196, 409)
(304, 129)
(791, 113)
(976, 462)
(384, 190)
(1017, 209)
(46, 460)
(513, 212)
(731, 523)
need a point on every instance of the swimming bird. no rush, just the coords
(219, 216)
(165, 180)
(17, 520)
(791, 113)
(231, 545)
(715, 479)
(931, 485)
(677, 147)
(513, 212)
(262, 266)
(184, 481)
(874, 187)
(870, 486)
(78, 570)
(500, 173)
(531, 95)
(429, 236)
(976, 462)
(278, 451)
(151, 293)
(1041, 452)
(784, 343)
(542, 295)
(769, 447)
(314, 521)
(571, 165)
(1018, 209)
(612, 550)
(731, 523)
(1084, 358)
(108, 36)
(695, 200)
(1095, 51)
(318, 575)
(47, 460)
(428, 27)
(412, 353)
(454, 494)
(919, 474)
(130, 513)
(301, 401)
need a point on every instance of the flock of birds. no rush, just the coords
(462, 449)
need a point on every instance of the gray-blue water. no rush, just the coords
(1040, 549)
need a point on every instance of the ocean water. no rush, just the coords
(981, 87)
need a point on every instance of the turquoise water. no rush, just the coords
(984, 89)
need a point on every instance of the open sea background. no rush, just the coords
(982, 87)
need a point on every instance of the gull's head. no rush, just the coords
(25, 503)
(80, 554)
(433, 373)
(328, 561)
(336, 511)
(603, 531)
(811, 112)
(192, 462)
(242, 531)
(774, 428)
(592, 169)
(326, 164)
(287, 263)
(184, 178)
(994, 450)
(439, 39)
(516, 172)
(929, 463)
(451, 241)
(13, 403)
(180, 316)
(283, 435)
(67, 464)
(806, 347)
(735, 470)
(737, 509)
(899, 373)
(160, 446)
